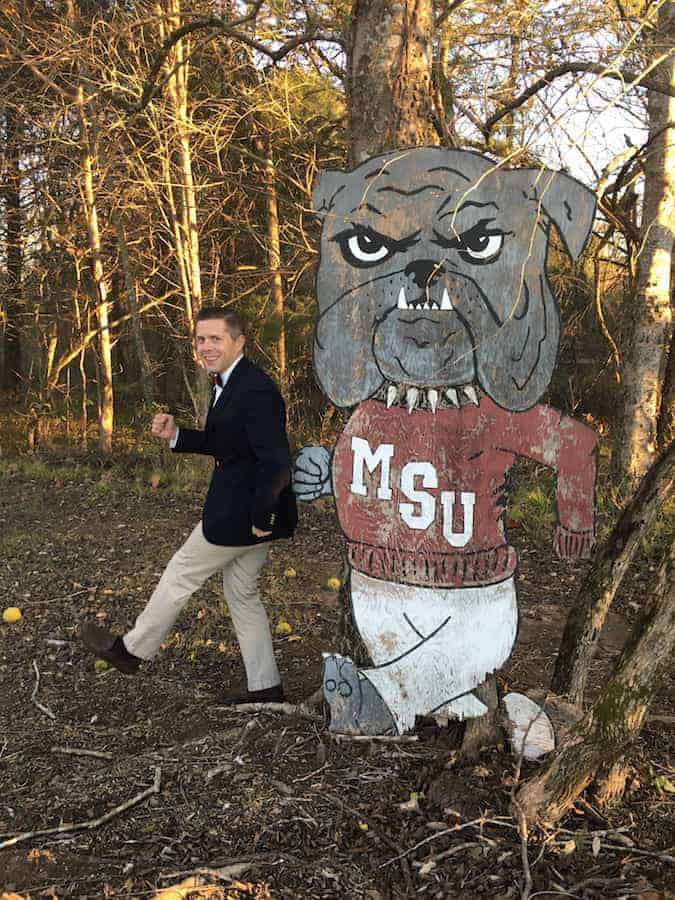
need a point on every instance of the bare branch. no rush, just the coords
(230, 29)
(628, 77)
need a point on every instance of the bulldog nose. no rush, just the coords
(424, 271)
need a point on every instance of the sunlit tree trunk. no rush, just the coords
(107, 406)
(645, 363)
(273, 250)
(132, 302)
(11, 302)
(389, 76)
(177, 90)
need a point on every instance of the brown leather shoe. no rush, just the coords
(106, 646)
(267, 695)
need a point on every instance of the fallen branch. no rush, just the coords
(43, 709)
(224, 873)
(90, 824)
(77, 751)
(285, 709)
(474, 823)
(375, 738)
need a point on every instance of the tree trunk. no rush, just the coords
(10, 375)
(645, 364)
(483, 731)
(274, 255)
(107, 407)
(132, 300)
(616, 718)
(587, 616)
(177, 89)
(389, 76)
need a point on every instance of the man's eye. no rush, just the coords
(364, 248)
(480, 246)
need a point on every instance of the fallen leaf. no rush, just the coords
(283, 627)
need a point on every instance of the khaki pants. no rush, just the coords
(188, 569)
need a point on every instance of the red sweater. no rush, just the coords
(421, 497)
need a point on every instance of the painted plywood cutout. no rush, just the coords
(438, 324)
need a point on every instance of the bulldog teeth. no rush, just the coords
(452, 396)
(470, 394)
(432, 397)
(402, 303)
(411, 398)
(445, 300)
(392, 395)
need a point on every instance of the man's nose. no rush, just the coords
(424, 271)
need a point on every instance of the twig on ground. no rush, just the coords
(311, 774)
(77, 751)
(43, 709)
(431, 861)
(523, 832)
(224, 873)
(315, 699)
(521, 822)
(474, 823)
(286, 709)
(90, 824)
(632, 851)
(375, 738)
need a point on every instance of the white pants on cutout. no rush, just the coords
(432, 646)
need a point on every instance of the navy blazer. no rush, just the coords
(245, 431)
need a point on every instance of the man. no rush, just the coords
(249, 504)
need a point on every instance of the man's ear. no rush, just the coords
(326, 187)
(568, 203)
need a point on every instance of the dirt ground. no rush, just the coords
(295, 812)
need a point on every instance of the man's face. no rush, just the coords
(216, 348)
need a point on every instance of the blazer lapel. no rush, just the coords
(227, 391)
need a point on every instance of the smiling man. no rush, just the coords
(249, 504)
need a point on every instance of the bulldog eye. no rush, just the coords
(479, 245)
(367, 248)
(364, 247)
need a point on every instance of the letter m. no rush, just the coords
(363, 455)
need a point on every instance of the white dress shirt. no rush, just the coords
(224, 377)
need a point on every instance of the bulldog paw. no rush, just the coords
(355, 705)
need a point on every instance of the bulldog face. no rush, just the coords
(432, 277)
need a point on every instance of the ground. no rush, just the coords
(302, 814)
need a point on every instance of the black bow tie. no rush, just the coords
(215, 379)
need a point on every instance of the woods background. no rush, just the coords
(159, 156)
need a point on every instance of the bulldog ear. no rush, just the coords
(326, 187)
(569, 204)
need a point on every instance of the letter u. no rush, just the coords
(468, 501)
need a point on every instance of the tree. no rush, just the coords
(609, 727)
(645, 364)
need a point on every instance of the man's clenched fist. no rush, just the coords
(164, 426)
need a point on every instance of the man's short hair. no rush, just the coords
(233, 321)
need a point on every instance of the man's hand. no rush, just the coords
(164, 426)
(258, 533)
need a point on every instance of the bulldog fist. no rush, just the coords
(311, 474)
(164, 426)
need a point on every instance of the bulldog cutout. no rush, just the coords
(437, 323)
